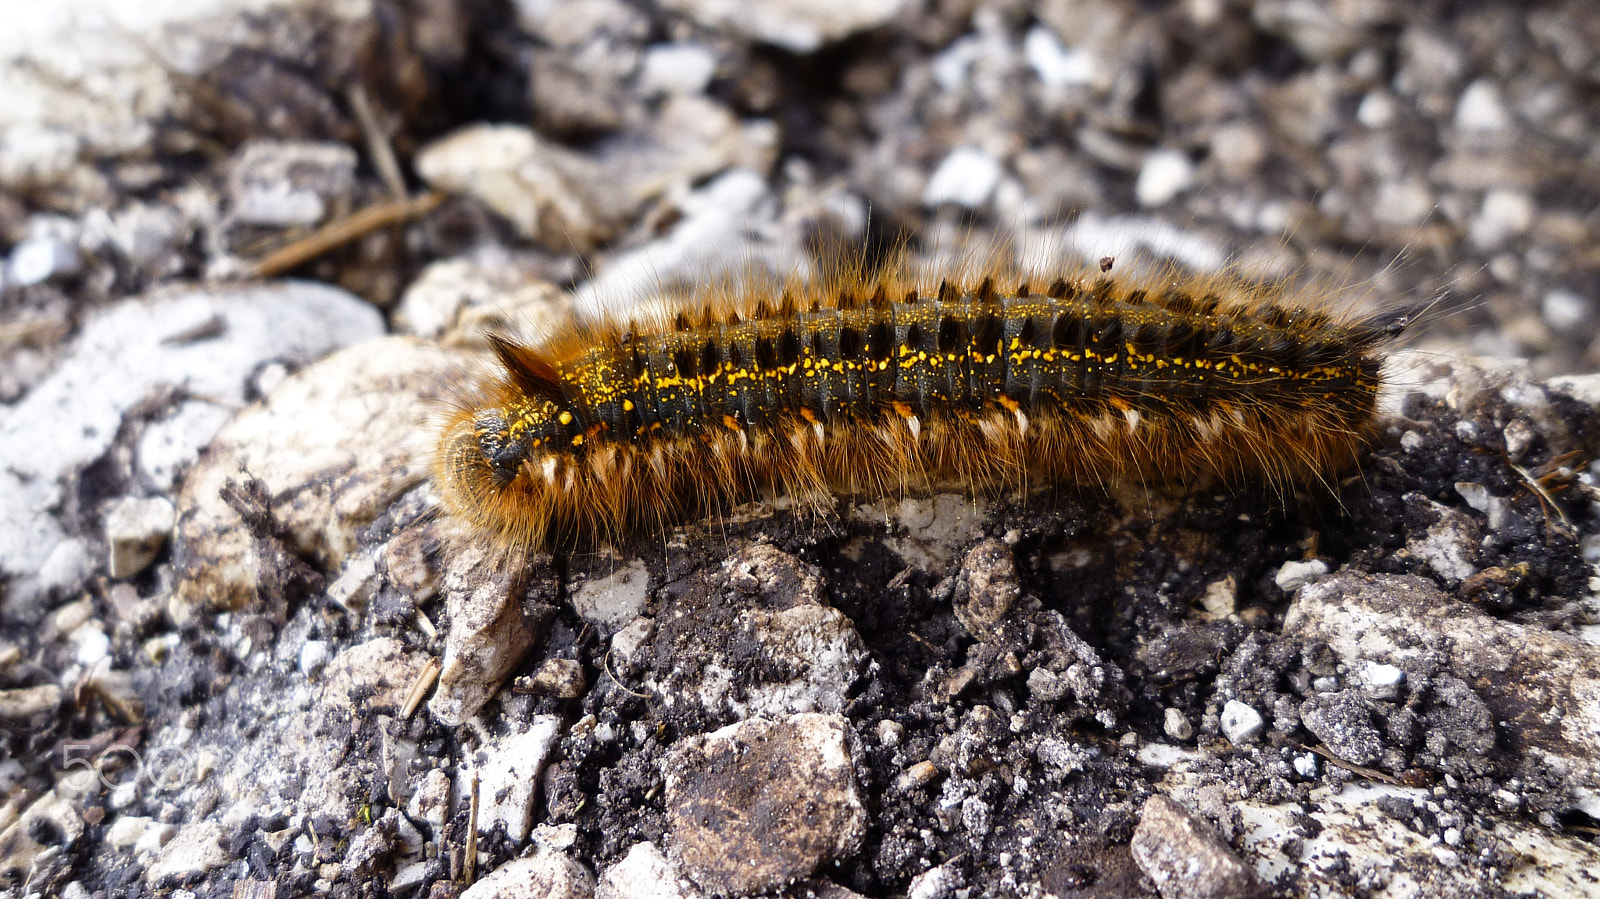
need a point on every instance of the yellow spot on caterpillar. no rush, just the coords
(565, 418)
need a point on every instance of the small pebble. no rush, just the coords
(1176, 724)
(1240, 723)
(967, 177)
(1381, 681)
(1164, 175)
(1294, 575)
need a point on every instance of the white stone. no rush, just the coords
(1404, 202)
(126, 831)
(66, 566)
(942, 882)
(1377, 110)
(508, 771)
(431, 800)
(90, 644)
(1056, 64)
(682, 68)
(717, 221)
(1092, 237)
(288, 183)
(644, 873)
(1381, 681)
(1584, 388)
(1505, 214)
(1176, 724)
(35, 260)
(33, 153)
(147, 232)
(1306, 765)
(1221, 598)
(1240, 723)
(1564, 310)
(633, 635)
(313, 656)
(1295, 574)
(967, 177)
(1482, 108)
(1164, 175)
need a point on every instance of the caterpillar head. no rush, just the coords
(509, 438)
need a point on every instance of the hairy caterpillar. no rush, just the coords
(892, 383)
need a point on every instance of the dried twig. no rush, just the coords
(337, 233)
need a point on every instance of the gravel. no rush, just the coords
(244, 653)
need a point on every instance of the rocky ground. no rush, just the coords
(249, 246)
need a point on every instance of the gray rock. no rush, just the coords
(489, 631)
(1521, 673)
(203, 342)
(474, 295)
(22, 705)
(1186, 859)
(570, 201)
(355, 585)
(1449, 546)
(1343, 723)
(718, 220)
(326, 452)
(549, 193)
(561, 678)
(372, 677)
(196, 849)
(615, 599)
(284, 184)
(760, 804)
